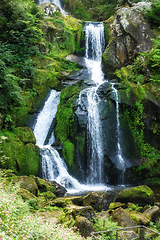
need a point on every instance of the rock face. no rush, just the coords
(108, 122)
(23, 155)
(130, 34)
(49, 8)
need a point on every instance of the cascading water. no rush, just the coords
(95, 42)
(53, 166)
(120, 161)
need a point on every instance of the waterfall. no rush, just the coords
(95, 149)
(53, 166)
(45, 118)
(120, 160)
(95, 43)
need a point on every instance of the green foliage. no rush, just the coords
(21, 157)
(92, 10)
(68, 152)
(153, 58)
(65, 129)
(153, 14)
(105, 225)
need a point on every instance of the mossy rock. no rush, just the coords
(122, 217)
(22, 158)
(60, 202)
(27, 183)
(44, 186)
(115, 205)
(25, 194)
(84, 226)
(140, 194)
(48, 195)
(84, 211)
(98, 200)
(131, 206)
(25, 134)
(139, 218)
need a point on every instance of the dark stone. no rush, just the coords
(59, 190)
(84, 226)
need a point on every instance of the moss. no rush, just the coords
(44, 186)
(48, 195)
(140, 194)
(115, 205)
(65, 130)
(25, 134)
(68, 152)
(23, 158)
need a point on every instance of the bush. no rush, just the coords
(153, 15)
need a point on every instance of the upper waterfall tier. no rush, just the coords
(95, 41)
(95, 44)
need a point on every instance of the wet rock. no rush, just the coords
(59, 189)
(122, 217)
(140, 194)
(99, 200)
(44, 185)
(84, 226)
(84, 211)
(152, 213)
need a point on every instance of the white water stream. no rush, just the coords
(53, 166)
(120, 159)
(94, 35)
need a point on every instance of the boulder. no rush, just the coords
(128, 235)
(59, 189)
(140, 194)
(122, 217)
(130, 34)
(27, 183)
(99, 200)
(139, 218)
(25, 194)
(115, 205)
(44, 185)
(48, 195)
(25, 134)
(152, 213)
(102, 215)
(84, 226)
(84, 211)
